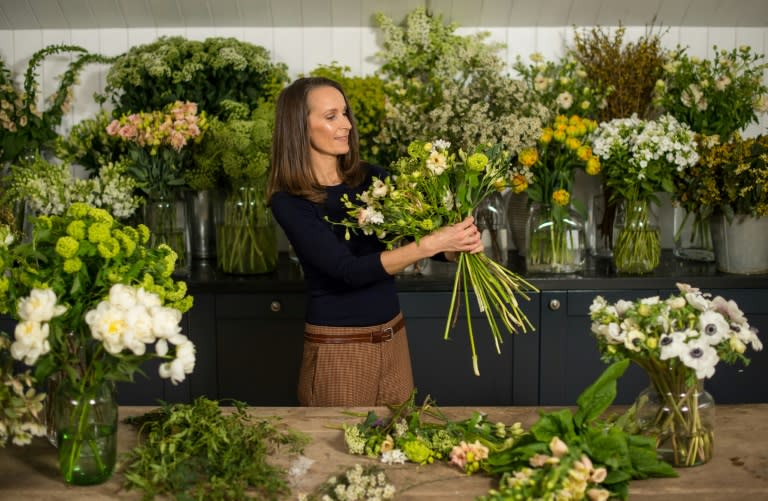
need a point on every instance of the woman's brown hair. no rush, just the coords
(291, 170)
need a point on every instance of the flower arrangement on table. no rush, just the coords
(547, 174)
(23, 127)
(435, 186)
(565, 454)
(641, 158)
(237, 151)
(49, 188)
(562, 86)
(91, 298)
(678, 341)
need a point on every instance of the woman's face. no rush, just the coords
(329, 125)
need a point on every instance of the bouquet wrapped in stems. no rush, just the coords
(431, 187)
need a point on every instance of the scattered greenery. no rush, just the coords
(197, 451)
(151, 76)
(627, 71)
(367, 99)
(441, 84)
(564, 455)
(24, 127)
(89, 145)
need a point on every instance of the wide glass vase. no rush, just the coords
(637, 249)
(86, 431)
(692, 236)
(681, 417)
(246, 238)
(556, 239)
(167, 221)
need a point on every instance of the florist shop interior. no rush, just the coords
(612, 330)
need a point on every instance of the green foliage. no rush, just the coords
(235, 150)
(205, 72)
(89, 145)
(440, 84)
(24, 127)
(196, 451)
(367, 99)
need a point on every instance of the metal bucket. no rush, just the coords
(741, 246)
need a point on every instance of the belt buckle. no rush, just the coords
(384, 336)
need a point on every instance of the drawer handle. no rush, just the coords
(275, 306)
(554, 304)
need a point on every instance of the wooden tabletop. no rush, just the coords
(739, 469)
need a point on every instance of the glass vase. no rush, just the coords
(246, 238)
(600, 224)
(681, 417)
(167, 221)
(86, 431)
(637, 249)
(692, 236)
(491, 221)
(556, 239)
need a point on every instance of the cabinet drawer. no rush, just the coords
(261, 306)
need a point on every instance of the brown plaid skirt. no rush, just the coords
(355, 366)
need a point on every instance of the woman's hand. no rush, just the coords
(450, 240)
(460, 237)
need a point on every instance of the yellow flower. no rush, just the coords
(528, 157)
(584, 152)
(519, 183)
(572, 143)
(561, 197)
(593, 166)
(546, 136)
(477, 161)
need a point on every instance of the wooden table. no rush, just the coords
(739, 469)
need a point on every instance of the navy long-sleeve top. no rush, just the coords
(346, 282)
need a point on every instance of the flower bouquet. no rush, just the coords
(678, 342)
(555, 237)
(156, 154)
(640, 158)
(432, 187)
(90, 297)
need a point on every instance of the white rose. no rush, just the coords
(40, 306)
(165, 321)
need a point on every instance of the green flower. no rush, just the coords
(477, 161)
(99, 232)
(109, 248)
(72, 265)
(76, 230)
(418, 452)
(67, 247)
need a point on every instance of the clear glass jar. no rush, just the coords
(600, 227)
(166, 218)
(682, 419)
(556, 239)
(491, 221)
(86, 431)
(692, 236)
(637, 249)
(246, 238)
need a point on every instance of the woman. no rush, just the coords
(355, 344)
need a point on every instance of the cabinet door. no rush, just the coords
(443, 368)
(570, 359)
(260, 338)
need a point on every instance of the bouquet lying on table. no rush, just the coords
(432, 187)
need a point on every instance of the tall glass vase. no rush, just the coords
(638, 243)
(556, 239)
(491, 221)
(681, 416)
(246, 239)
(692, 236)
(86, 431)
(167, 221)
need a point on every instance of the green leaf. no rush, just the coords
(599, 395)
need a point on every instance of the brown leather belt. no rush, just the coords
(374, 336)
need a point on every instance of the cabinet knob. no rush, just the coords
(275, 306)
(554, 304)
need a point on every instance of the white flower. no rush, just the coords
(598, 304)
(697, 300)
(623, 306)
(634, 340)
(676, 302)
(728, 308)
(713, 327)
(379, 188)
(122, 296)
(147, 299)
(564, 100)
(701, 357)
(40, 306)
(31, 341)
(394, 456)
(165, 321)
(672, 345)
(611, 332)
